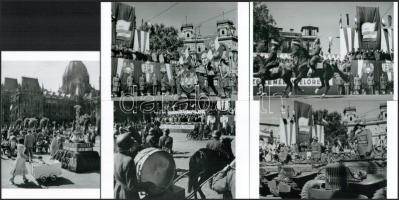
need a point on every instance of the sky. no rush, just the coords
(49, 73)
(196, 13)
(366, 108)
(324, 15)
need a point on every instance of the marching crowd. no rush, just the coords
(197, 72)
(358, 146)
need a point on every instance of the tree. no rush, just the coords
(163, 38)
(333, 126)
(264, 27)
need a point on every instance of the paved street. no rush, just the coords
(67, 179)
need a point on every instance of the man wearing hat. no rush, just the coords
(215, 143)
(315, 54)
(126, 185)
(271, 61)
(151, 140)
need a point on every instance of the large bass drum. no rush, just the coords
(155, 166)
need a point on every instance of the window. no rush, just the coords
(199, 49)
(188, 35)
(222, 32)
(350, 118)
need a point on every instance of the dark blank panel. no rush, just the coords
(40, 25)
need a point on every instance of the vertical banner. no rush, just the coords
(369, 27)
(141, 41)
(303, 119)
(123, 24)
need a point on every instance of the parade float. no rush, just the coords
(77, 154)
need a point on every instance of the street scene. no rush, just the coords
(344, 49)
(174, 50)
(50, 119)
(189, 145)
(322, 148)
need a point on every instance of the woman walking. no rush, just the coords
(20, 167)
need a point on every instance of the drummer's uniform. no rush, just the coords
(125, 177)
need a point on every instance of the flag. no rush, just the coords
(141, 41)
(340, 21)
(186, 53)
(217, 43)
(369, 27)
(303, 118)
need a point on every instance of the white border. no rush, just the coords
(107, 110)
(395, 56)
(50, 193)
(392, 143)
(251, 54)
(243, 43)
(254, 149)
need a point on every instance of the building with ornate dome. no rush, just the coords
(29, 99)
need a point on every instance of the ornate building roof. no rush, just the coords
(76, 80)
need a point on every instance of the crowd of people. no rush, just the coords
(355, 84)
(197, 73)
(357, 147)
(21, 142)
(131, 138)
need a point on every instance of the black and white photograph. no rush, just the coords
(323, 149)
(174, 149)
(320, 49)
(50, 121)
(174, 50)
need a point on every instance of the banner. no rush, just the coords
(364, 67)
(287, 131)
(348, 40)
(141, 41)
(123, 24)
(369, 27)
(125, 67)
(305, 82)
(303, 118)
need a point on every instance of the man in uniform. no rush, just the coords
(370, 83)
(316, 149)
(166, 142)
(364, 140)
(315, 54)
(164, 83)
(201, 72)
(142, 84)
(115, 85)
(154, 82)
(357, 83)
(126, 185)
(129, 81)
(271, 61)
(215, 143)
(383, 83)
